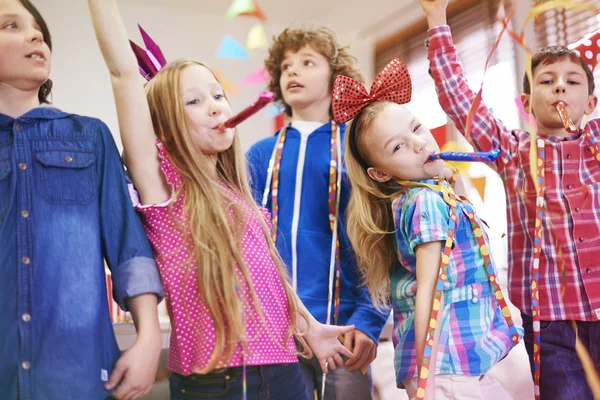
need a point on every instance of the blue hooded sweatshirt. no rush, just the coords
(307, 158)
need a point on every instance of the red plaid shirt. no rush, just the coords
(572, 183)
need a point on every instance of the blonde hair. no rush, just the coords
(213, 240)
(370, 224)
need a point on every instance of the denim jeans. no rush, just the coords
(265, 382)
(340, 384)
(561, 372)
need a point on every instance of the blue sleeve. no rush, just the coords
(124, 243)
(367, 318)
(258, 163)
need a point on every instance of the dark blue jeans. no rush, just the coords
(265, 382)
(561, 372)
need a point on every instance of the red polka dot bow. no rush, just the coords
(588, 48)
(350, 97)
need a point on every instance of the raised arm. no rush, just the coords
(135, 124)
(455, 97)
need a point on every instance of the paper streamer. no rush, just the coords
(528, 118)
(589, 369)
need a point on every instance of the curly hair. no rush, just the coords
(322, 40)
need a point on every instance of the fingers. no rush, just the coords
(345, 351)
(348, 339)
(346, 329)
(331, 363)
(373, 354)
(338, 361)
(115, 376)
(323, 364)
(123, 392)
(130, 391)
(361, 356)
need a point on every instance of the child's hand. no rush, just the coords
(447, 173)
(136, 369)
(323, 340)
(364, 349)
(435, 10)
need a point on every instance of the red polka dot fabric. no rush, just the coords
(349, 97)
(588, 48)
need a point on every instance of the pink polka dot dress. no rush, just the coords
(193, 329)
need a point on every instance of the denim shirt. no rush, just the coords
(64, 210)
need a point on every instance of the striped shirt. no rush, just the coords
(474, 335)
(571, 221)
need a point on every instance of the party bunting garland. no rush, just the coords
(258, 77)
(479, 185)
(227, 85)
(231, 48)
(257, 39)
(245, 8)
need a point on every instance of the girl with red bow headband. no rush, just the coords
(298, 175)
(233, 313)
(401, 206)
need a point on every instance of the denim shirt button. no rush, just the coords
(19, 127)
(26, 365)
(22, 166)
(26, 317)
(68, 159)
(25, 260)
(25, 214)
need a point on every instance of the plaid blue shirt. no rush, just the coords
(474, 335)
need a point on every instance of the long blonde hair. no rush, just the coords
(370, 224)
(214, 241)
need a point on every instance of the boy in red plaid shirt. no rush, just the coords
(569, 203)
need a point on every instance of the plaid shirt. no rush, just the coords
(474, 335)
(572, 200)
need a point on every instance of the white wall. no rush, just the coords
(81, 81)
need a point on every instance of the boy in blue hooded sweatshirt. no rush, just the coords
(297, 174)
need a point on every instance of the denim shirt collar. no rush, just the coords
(42, 112)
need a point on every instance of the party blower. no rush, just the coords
(263, 99)
(561, 107)
(482, 156)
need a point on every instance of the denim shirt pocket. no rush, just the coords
(66, 176)
(5, 193)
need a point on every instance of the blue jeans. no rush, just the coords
(340, 384)
(561, 372)
(265, 382)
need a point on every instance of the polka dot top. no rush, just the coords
(193, 329)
